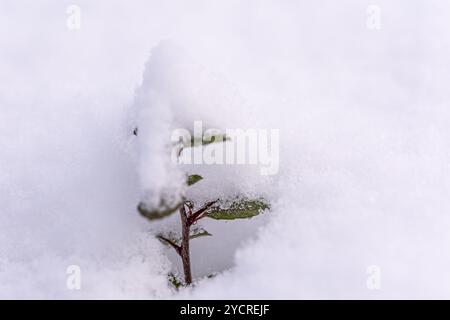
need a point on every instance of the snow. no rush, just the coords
(364, 146)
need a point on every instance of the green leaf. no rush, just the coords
(192, 179)
(198, 141)
(197, 233)
(238, 209)
(162, 211)
(205, 140)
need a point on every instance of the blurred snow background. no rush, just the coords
(363, 117)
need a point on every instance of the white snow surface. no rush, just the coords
(364, 146)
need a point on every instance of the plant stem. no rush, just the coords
(185, 256)
(171, 243)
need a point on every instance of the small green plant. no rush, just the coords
(240, 207)
(174, 281)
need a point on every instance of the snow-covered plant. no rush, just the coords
(240, 207)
